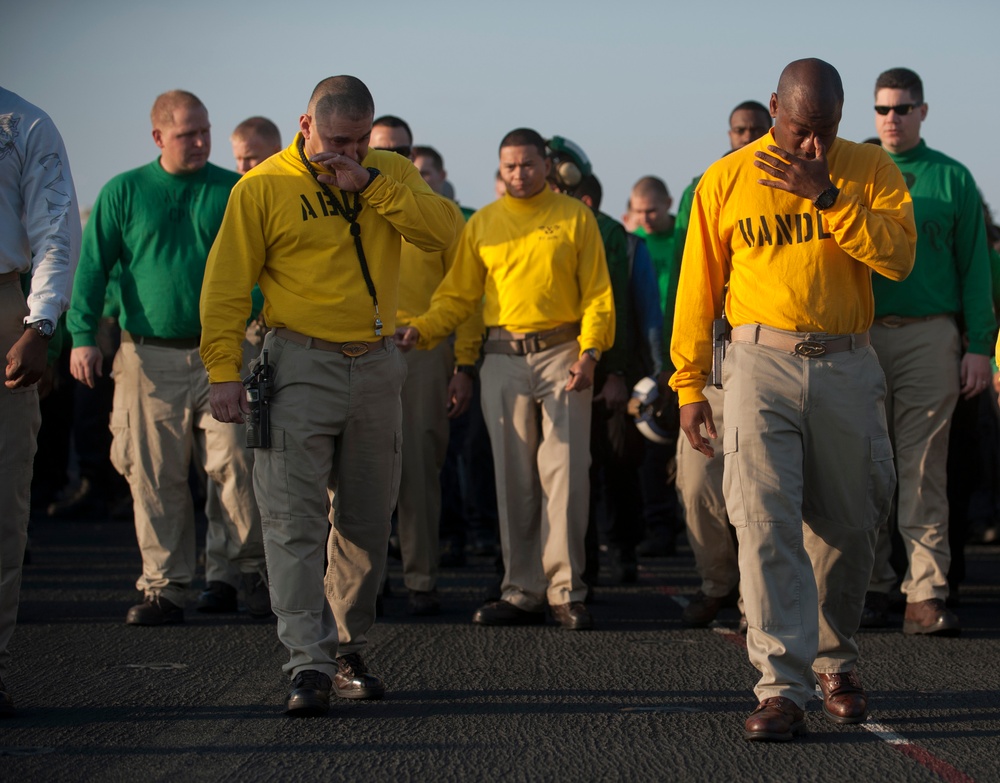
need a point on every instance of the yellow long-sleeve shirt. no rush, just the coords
(280, 231)
(420, 273)
(788, 266)
(540, 263)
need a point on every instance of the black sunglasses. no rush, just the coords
(902, 109)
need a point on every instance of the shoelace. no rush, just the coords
(352, 664)
(310, 679)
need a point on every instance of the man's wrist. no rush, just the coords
(44, 327)
(592, 353)
(372, 174)
(827, 198)
(467, 369)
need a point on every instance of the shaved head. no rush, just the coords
(346, 96)
(813, 80)
(162, 114)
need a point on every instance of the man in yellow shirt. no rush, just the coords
(537, 256)
(318, 227)
(434, 391)
(795, 223)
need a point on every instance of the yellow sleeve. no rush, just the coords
(457, 296)
(704, 271)
(884, 235)
(597, 304)
(420, 215)
(234, 264)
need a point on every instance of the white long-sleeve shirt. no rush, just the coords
(39, 213)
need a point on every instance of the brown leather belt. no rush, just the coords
(352, 349)
(809, 346)
(9, 277)
(183, 344)
(895, 321)
(499, 340)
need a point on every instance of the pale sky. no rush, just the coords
(643, 87)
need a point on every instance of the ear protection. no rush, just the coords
(570, 164)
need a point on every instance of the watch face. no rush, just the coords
(44, 328)
(826, 198)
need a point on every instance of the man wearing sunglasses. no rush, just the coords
(920, 347)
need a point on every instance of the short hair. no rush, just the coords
(429, 152)
(753, 106)
(162, 113)
(391, 121)
(651, 186)
(590, 186)
(261, 127)
(346, 95)
(901, 79)
(524, 137)
(813, 77)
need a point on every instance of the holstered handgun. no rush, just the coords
(720, 339)
(259, 385)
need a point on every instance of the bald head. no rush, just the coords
(346, 96)
(807, 107)
(813, 80)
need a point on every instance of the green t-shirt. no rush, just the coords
(952, 269)
(159, 227)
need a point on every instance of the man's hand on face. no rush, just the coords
(343, 172)
(803, 177)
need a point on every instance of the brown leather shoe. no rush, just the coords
(776, 719)
(572, 616)
(702, 609)
(931, 618)
(353, 680)
(844, 700)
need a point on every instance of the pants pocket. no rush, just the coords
(122, 457)
(732, 483)
(881, 482)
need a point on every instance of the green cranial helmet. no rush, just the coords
(570, 164)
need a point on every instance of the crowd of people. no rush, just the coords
(333, 359)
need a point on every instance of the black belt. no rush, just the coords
(183, 344)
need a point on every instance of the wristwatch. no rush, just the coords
(468, 369)
(827, 198)
(44, 327)
(593, 353)
(372, 173)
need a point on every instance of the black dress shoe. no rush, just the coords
(875, 613)
(217, 597)
(310, 695)
(505, 613)
(155, 610)
(353, 681)
(573, 616)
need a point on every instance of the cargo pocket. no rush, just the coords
(881, 482)
(270, 474)
(122, 456)
(732, 484)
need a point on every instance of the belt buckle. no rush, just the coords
(810, 348)
(354, 350)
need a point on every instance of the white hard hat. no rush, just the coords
(648, 415)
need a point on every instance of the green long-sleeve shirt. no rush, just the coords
(159, 227)
(952, 271)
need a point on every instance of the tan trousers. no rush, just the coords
(221, 550)
(335, 427)
(921, 362)
(808, 479)
(19, 422)
(699, 482)
(161, 417)
(540, 434)
(425, 443)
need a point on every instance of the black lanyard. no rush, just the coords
(350, 214)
